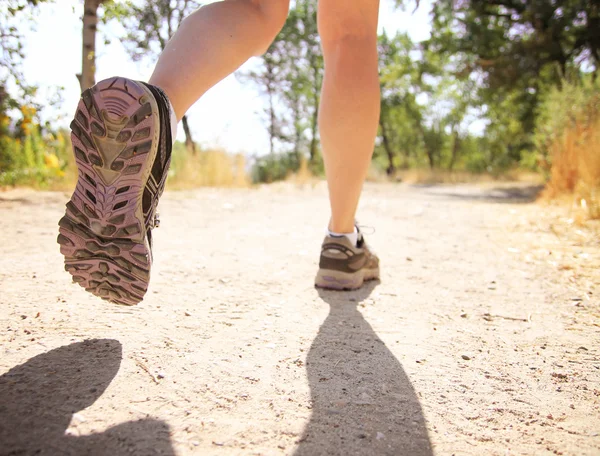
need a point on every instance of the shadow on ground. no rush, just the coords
(39, 398)
(363, 401)
(508, 195)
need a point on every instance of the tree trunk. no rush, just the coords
(455, 149)
(189, 142)
(297, 131)
(427, 146)
(313, 139)
(271, 123)
(88, 55)
(271, 81)
(314, 124)
(391, 169)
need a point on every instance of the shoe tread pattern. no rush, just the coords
(103, 234)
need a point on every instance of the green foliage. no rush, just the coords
(568, 141)
(576, 102)
(28, 157)
(148, 24)
(14, 15)
(274, 167)
(426, 109)
(289, 77)
(516, 50)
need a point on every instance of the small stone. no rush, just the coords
(466, 357)
(380, 436)
(161, 375)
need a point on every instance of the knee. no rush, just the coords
(345, 27)
(273, 14)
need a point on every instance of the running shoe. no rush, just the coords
(121, 139)
(344, 266)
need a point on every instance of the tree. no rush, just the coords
(13, 15)
(305, 70)
(518, 49)
(87, 77)
(148, 26)
(290, 75)
(267, 79)
(400, 116)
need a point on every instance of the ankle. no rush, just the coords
(341, 228)
(352, 235)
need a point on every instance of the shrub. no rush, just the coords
(568, 141)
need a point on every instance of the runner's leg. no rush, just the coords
(349, 110)
(212, 43)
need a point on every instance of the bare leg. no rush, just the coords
(212, 43)
(349, 109)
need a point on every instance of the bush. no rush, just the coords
(568, 141)
(274, 167)
(28, 157)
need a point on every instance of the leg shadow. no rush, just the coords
(363, 401)
(38, 399)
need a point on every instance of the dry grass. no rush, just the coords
(303, 176)
(440, 176)
(575, 172)
(207, 168)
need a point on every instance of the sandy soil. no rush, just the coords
(482, 337)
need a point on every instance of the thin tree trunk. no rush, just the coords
(189, 142)
(271, 123)
(88, 55)
(391, 169)
(270, 73)
(315, 117)
(313, 140)
(297, 131)
(455, 149)
(428, 150)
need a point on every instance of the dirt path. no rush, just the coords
(482, 337)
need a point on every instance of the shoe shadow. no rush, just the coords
(39, 397)
(363, 402)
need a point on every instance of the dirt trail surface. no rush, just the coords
(481, 339)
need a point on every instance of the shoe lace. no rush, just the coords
(360, 228)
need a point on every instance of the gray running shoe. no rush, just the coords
(121, 139)
(344, 266)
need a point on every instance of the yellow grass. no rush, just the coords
(303, 175)
(207, 168)
(576, 168)
(440, 176)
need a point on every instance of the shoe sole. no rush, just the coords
(336, 280)
(102, 235)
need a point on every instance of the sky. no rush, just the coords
(227, 116)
